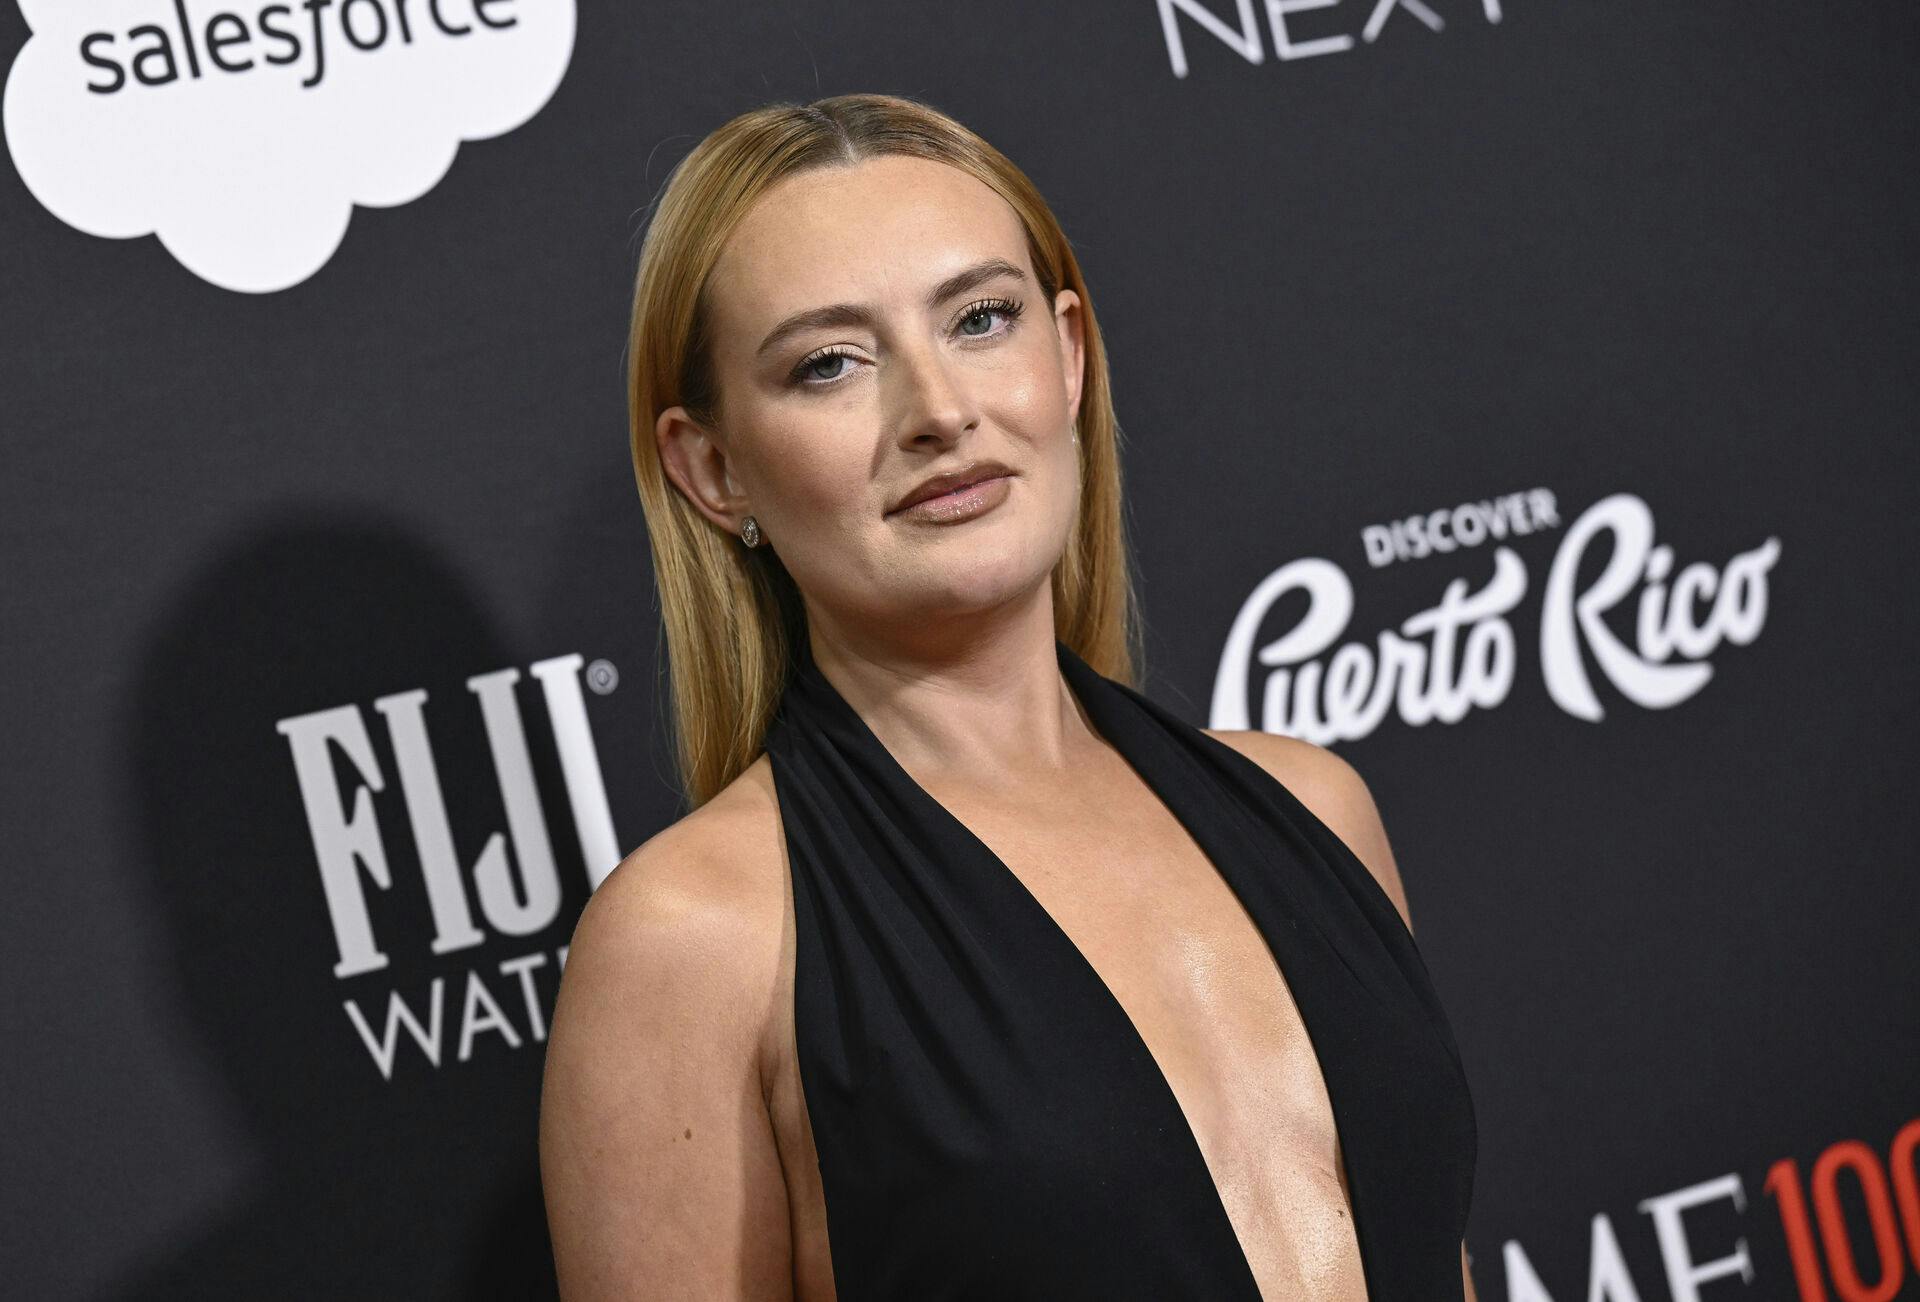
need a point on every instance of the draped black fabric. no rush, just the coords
(989, 1122)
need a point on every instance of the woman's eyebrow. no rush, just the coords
(967, 277)
(851, 314)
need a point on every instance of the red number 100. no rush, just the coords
(1783, 1183)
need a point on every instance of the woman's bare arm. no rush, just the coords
(657, 1156)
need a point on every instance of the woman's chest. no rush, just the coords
(1206, 1006)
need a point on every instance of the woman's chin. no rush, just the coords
(977, 585)
(973, 571)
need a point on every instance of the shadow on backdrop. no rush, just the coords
(425, 1186)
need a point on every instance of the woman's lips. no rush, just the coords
(961, 504)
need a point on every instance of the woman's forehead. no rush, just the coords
(883, 227)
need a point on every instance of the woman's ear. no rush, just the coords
(699, 467)
(1070, 324)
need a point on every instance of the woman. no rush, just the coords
(968, 951)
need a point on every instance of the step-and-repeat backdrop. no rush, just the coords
(1518, 397)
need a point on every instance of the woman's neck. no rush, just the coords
(983, 704)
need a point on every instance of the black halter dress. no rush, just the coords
(989, 1122)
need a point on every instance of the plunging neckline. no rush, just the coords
(1069, 661)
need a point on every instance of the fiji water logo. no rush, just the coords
(519, 893)
(243, 136)
(1462, 653)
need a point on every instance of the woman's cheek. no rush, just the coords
(834, 492)
(1023, 400)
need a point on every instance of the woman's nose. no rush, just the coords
(933, 397)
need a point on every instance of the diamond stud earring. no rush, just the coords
(750, 532)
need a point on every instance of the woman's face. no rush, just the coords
(874, 325)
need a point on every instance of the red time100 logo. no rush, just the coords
(1810, 1213)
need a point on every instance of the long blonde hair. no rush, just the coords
(733, 615)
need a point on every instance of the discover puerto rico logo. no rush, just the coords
(1461, 653)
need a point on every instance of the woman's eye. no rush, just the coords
(808, 370)
(985, 312)
(978, 314)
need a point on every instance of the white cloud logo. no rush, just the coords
(243, 132)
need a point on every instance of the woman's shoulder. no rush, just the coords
(1333, 791)
(695, 914)
(720, 857)
(1302, 767)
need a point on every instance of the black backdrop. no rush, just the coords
(1639, 272)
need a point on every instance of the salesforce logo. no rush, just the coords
(242, 135)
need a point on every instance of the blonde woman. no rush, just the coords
(973, 972)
